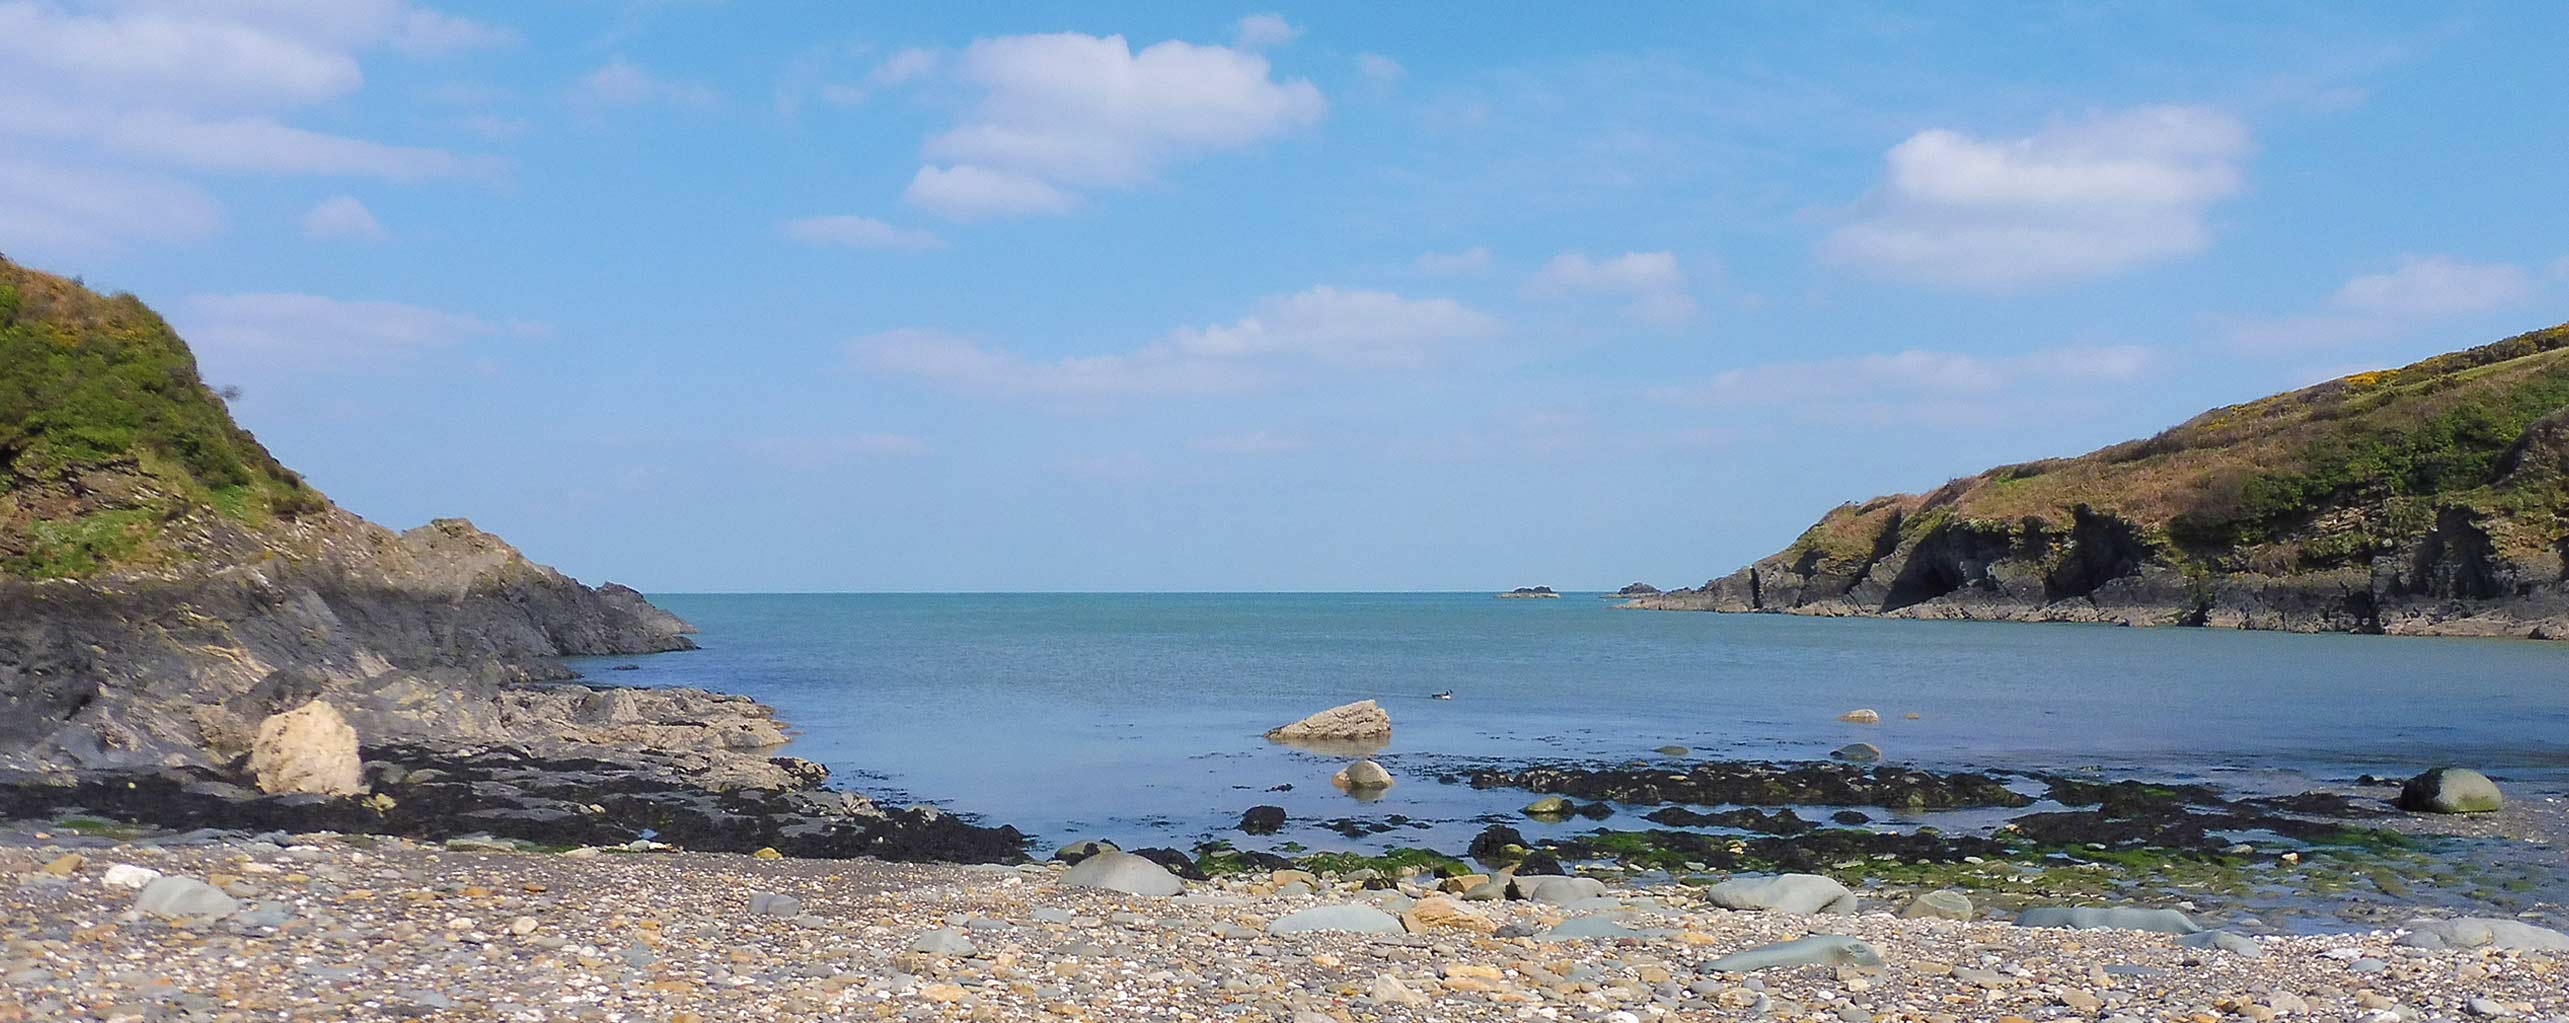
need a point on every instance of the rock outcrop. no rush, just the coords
(2429, 500)
(1348, 722)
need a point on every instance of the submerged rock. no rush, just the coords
(1122, 872)
(1859, 752)
(1786, 893)
(1363, 719)
(1816, 950)
(2451, 790)
(2115, 918)
(1262, 820)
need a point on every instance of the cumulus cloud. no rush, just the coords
(1263, 32)
(1914, 384)
(2374, 306)
(292, 326)
(1467, 261)
(622, 83)
(2076, 200)
(1055, 113)
(1320, 327)
(1652, 284)
(859, 232)
(968, 192)
(85, 209)
(209, 86)
(342, 217)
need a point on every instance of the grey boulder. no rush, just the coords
(184, 898)
(2483, 932)
(1351, 918)
(774, 904)
(1816, 950)
(2108, 918)
(1122, 872)
(1941, 904)
(1859, 752)
(944, 941)
(1555, 889)
(2225, 941)
(1784, 893)
(2451, 790)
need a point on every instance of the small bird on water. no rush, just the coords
(1446, 695)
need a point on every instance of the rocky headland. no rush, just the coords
(2432, 499)
(192, 636)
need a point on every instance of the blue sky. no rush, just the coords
(732, 296)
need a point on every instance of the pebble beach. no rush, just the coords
(327, 927)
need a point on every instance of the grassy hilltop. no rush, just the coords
(2445, 481)
(113, 451)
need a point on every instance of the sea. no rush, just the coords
(1139, 717)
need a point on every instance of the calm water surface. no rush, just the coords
(1137, 717)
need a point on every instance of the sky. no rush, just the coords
(706, 296)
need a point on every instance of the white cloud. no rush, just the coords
(861, 232)
(54, 208)
(1320, 327)
(1652, 282)
(968, 192)
(1915, 384)
(342, 217)
(1381, 71)
(622, 83)
(2436, 286)
(427, 33)
(1071, 111)
(2075, 200)
(289, 326)
(1468, 261)
(2371, 307)
(1264, 32)
(903, 67)
(833, 449)
(260, 144)
(1258, 442)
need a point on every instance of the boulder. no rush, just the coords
(1351, 917)
(2483, 932)
(2237, 944)
(944, 941)
(1816, 950)
(1785, 893)
(1362, 719)
(1941, 904)
(1554, 889)
(1437, 912)
(308, 749)
(1362, 776)
(184, 898)
(1549, 806)
(1262, 820)
(774, 904)
(2450, 790)
(127, 875)
(1083, 849)
(2108, 918)
(1122, 872)
(1859, 752)
(1862, 716)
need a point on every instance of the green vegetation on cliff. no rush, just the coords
(109, 440)
(2474, 442)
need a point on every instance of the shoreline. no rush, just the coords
(367, 929)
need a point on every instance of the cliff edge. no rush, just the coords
(2428, 499)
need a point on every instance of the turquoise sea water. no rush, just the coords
(1138, 716)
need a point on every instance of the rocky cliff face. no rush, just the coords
(2424, 500)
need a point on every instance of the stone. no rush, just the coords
(1083, 849)
(1362, 776)
(185, 898)
(1439, 913)
(2450, 790)
(1554, 889)
(1816, 950)
(1363, 719)
(1593, 926)
(127, 875)
(1862, 716)
(944, 941)
(1389, 990)
(1349, 917)
(2225, 941)
(1549, 806)
(767, 853)
(2108, 918)
(1122, 872)
(2483, 932)
(1785, 893)
(1941, 904)
(64, 865)
(1858, 752)
(308, 749)
(774, 904)
(1262, 820)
